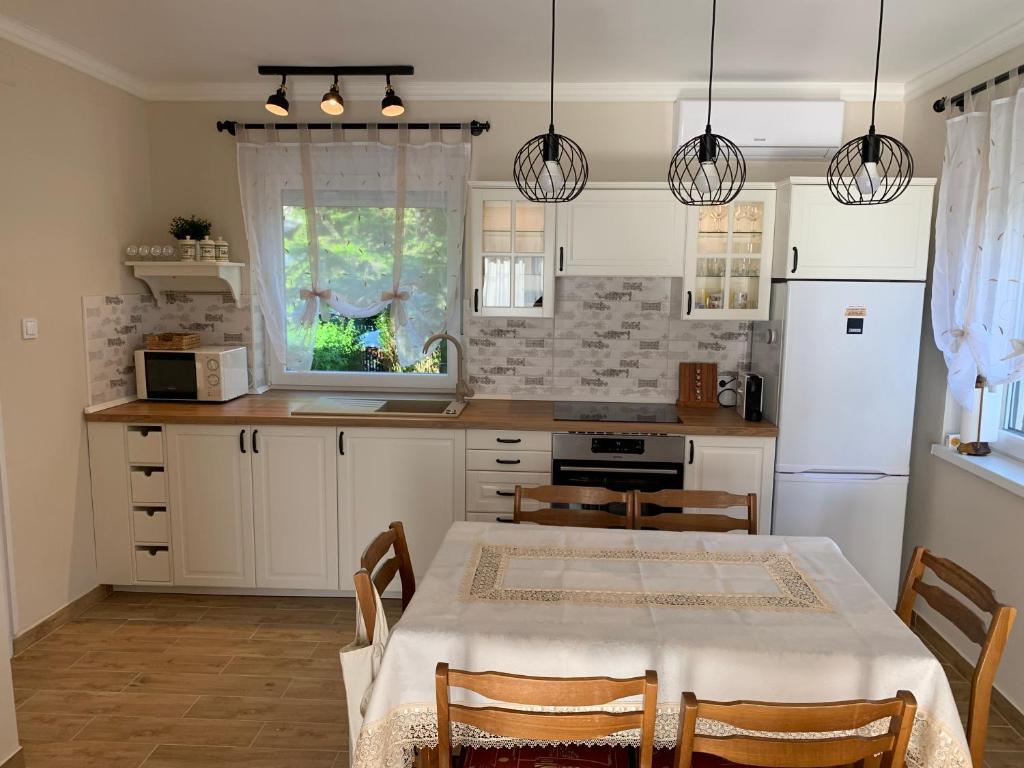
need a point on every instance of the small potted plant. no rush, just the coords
(188, 232)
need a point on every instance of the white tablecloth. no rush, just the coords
(723, 615)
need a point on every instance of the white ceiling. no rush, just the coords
(210, 48)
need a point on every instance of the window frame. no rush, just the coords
(1009, 443)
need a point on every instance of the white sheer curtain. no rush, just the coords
(979, 248)
(353, 227)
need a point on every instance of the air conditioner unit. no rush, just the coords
(769, 130)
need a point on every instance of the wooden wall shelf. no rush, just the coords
(190, 277)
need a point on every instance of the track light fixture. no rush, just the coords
(277, 104)
(332, 103)
(391, 105)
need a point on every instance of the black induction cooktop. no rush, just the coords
(658, 413)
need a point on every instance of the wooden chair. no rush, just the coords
(369, 576)
(992, 639)
(545, 691)
(803, 719)
(677, 499)
(573, 494)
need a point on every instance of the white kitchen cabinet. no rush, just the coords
(736, 465)
(295, 506)
(817, 238)
(511, 249)
(630, 230)
(416, 476)
(210, 478)
(729, 257)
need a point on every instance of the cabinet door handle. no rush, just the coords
(691, 453)
(796, 260)
(476, 299)
(341, 443)
(255, 445)
(241, 441)
(508, 461)
(561, 259)
(689, 302)
(509, 440)
(505, 493)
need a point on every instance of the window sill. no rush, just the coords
(998, 468)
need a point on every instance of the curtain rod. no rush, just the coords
(958, 100)
(476, 127)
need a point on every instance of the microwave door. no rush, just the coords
(171, 376)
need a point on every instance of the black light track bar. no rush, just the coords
(476, 127)
(374, 71)
(958, 100)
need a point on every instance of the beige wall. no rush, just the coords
(960, 515)
(76, 190)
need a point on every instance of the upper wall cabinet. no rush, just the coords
(511, 250)
(729, 257)
(817, 238)
(629, 230)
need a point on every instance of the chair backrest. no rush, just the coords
(992, 638)
(551, 692)
(370, 576)
(573, 494)
(695, 521)
(802, 751)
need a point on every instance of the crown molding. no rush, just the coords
(1004, 40)
(45, 45)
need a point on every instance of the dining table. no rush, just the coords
(725, 616)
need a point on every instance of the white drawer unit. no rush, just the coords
(494, 491)
(150, 525)
(148, 485)
(509, 461)
(145, 444)
(505, 439)
(153, 565)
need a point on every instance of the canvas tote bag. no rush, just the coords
(360, 663)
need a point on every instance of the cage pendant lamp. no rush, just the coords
(551, 168)
(708, 169)
(872, 169)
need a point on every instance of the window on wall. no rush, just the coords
(1011, 434)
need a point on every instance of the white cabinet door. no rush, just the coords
(416, 476)
(734, 465)
(830, 241)
(210, 478)
(511, 250)
(627, 232)
(295, 507)
(729, 258)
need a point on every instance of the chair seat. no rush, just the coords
(551, 756)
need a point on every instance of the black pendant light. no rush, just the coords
(391, 105)
(277, 104)
(872, 169)
(332, 103)
(708, 169)
(551, 168)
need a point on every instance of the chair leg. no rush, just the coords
(427, 758)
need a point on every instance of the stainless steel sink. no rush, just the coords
(359, 406)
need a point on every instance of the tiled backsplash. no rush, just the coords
(115, 326)
(611, 338)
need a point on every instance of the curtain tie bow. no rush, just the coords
(311, 307)
(306, 294)
(397, 298)
(395, 295)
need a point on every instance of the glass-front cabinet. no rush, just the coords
(511, 247)
(728, 258)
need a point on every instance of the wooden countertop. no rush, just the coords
(275, 407)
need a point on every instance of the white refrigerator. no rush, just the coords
(839, 361)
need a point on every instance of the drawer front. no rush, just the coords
(488, 517)
(148, 486)
(153, 564)
(151, 526)
(509, 461)
(492, 491)
(145, 444)
(507, 440)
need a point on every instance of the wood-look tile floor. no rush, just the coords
(205, 681)
(211, 681)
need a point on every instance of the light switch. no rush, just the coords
(29, 328)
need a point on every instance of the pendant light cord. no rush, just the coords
(878, 60)
(551, 121)
(711, 69)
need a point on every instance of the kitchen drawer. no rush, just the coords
(145, 444)
(153, 564)
(492, 491)
(489, 517)
(151, 526)
(507, 440)
(509, 461)
(148, 486)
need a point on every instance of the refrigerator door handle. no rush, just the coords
(836, 477)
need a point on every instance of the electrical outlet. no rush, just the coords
(29, 328)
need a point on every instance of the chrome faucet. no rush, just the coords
(462, 388)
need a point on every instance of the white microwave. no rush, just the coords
(212, 374)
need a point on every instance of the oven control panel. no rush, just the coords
(619, 445)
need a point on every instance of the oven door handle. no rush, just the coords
(623, 470)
